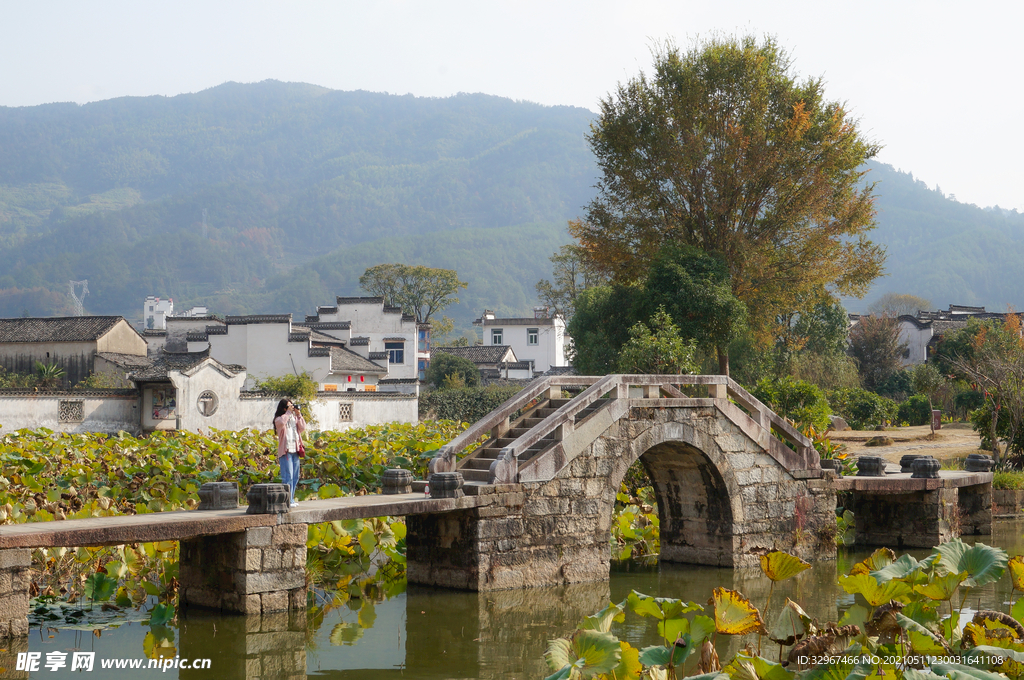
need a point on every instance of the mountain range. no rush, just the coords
(274, 197)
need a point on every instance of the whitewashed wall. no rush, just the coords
(104, 412)
(917, 340)
(549, 350)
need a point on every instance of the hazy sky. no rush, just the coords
(937, 83)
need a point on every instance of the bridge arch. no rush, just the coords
(700, 500)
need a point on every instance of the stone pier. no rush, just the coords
(257, 570)
(898, 511)
(14, 581)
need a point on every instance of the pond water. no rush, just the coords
(439, 634)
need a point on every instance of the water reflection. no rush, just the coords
(257, 646)
(437, 634)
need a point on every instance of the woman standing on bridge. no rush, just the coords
(289, 425)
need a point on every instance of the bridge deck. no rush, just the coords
(902, 482)
(186, 524)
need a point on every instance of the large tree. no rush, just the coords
(723, 149)
(898, 304)
(418, 290)
(572, 273)
(875, 344)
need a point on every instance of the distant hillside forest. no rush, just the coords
(303, 188)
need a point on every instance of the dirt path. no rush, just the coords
(952, 441)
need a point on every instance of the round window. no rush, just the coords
(207, 403)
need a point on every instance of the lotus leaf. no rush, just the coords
(734, 614)
(602, 621)
(874, 592)
(1016, 566)
(99, 587)
(984, 564)
(879, 559)
(791, 624)
(746, 667)
(587, 654)
(941, 587)
(668, 655)
(922, 640)
(956, 671)
(779, 566)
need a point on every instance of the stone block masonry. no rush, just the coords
(257, 570)
(722, 500)
(14, 581)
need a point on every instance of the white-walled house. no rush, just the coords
(71, 342)
(541, 340)
(377, 332)
(155, 312)
(268, 345)
(922, 332)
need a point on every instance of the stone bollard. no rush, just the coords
(396, 481)
(907, 462)
(218, 496)
(977, 462)
(926, 467)
(870, 466)
(445, 485)
(268, 499)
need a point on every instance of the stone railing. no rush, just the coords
(721, 390)
(496, 423)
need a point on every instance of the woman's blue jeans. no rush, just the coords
(290, 472)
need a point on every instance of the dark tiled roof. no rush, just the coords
(359, 342)
(57, 328)
(257, 318)
(326, 325)
(324, 309)
(346, 361)
(378, 355)
(392, 310)
(479, 354)
(360, 300)
(319, 352)
(166, 361)
(128, 362)
(154, 332)
(560, 370)
(317, 336)
(398, 381)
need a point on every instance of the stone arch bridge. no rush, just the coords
(733, 481)
(729, 488)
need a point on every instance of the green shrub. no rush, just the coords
(1004, 479)
(466, 404)
(863, 410)
(967, 401)
(915, 410)
(797, 400)
(443, 365)
(897, 386)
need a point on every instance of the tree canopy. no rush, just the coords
(723, 149)
(572, 273)
(898, 304)
(418, 290)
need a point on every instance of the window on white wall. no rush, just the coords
(497, 335)
(396, 352)
(532, 336)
